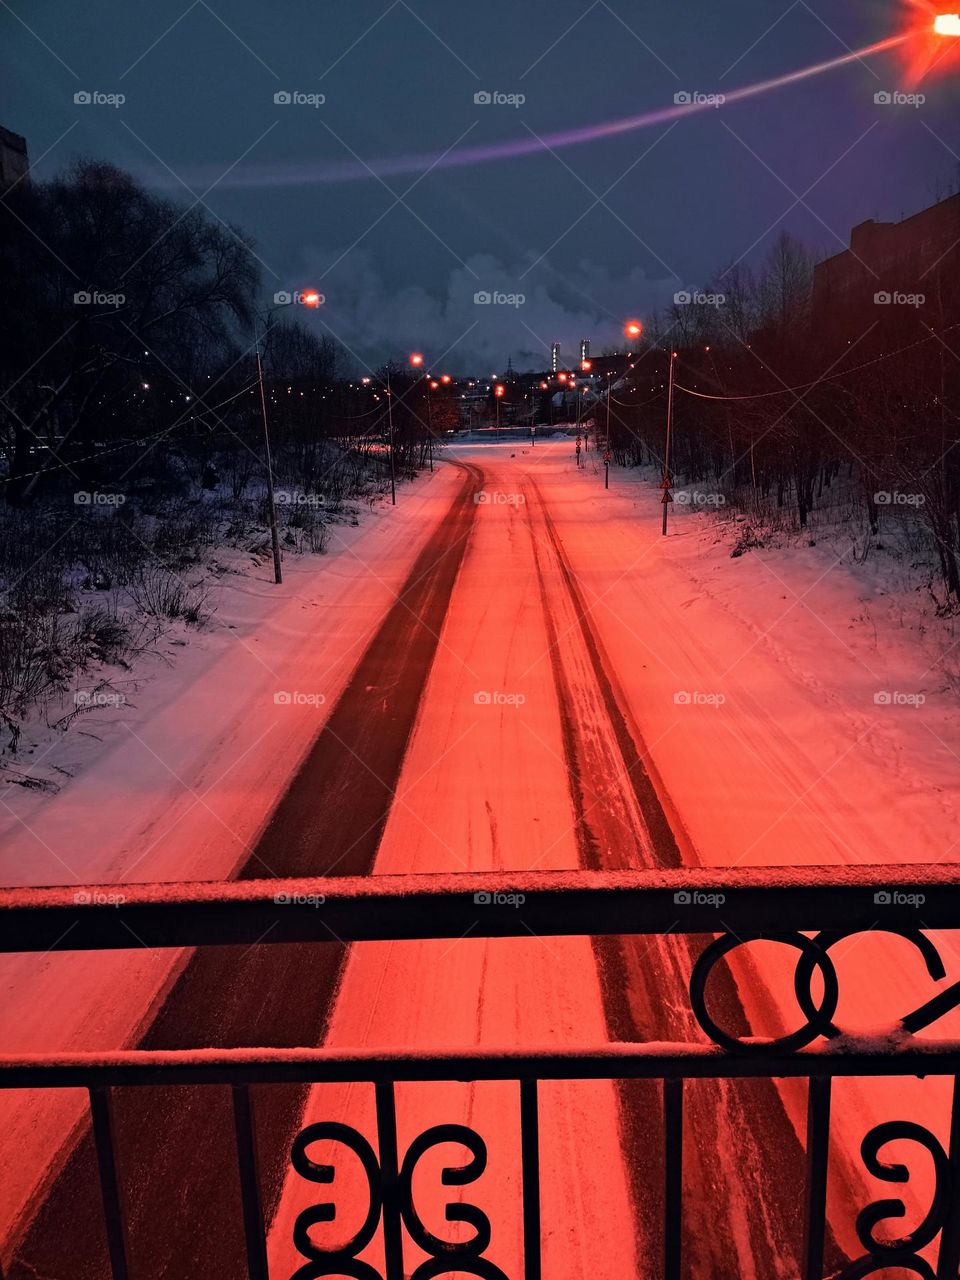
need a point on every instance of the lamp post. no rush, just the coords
(309, 298)
(498, 393)
(393, 468)
(666, 484)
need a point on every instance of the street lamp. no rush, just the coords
(309, 298)
(499, 391)
(947, 24)
(666, 483)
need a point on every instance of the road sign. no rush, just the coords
(667, 497)
(606, 456)
(666, 483)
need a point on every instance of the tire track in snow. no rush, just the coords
(625, 819)
(175, 1146)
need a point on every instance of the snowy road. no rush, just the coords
(492, 723)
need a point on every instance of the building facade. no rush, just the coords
(896, 277)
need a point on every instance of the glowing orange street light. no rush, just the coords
(947, 24)
(561, 377)
(633, 329)
(586, 365)
(416, 360)
(311, 298)
(544, 386)
(445, 379)
(434, 386)
(500, 390)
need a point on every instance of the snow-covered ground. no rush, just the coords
(795, 709)
(183, 779)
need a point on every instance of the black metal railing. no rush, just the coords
(809, 912)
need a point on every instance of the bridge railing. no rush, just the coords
(808, 911)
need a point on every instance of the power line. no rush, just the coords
(843, 373)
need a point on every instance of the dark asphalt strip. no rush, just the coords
(175, 1147)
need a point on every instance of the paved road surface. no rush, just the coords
(411, 772)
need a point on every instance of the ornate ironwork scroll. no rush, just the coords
(902, 1253)
(814, 959)
(342, 1261)
(445, 1257)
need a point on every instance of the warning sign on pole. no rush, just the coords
(667, 497)
(666, 483)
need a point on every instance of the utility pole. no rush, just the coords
(271, 501)
(666, 483)
(393, 472)
(606, 477)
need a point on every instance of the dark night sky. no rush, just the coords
(399, 79)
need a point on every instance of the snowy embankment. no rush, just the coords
(178, 783)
